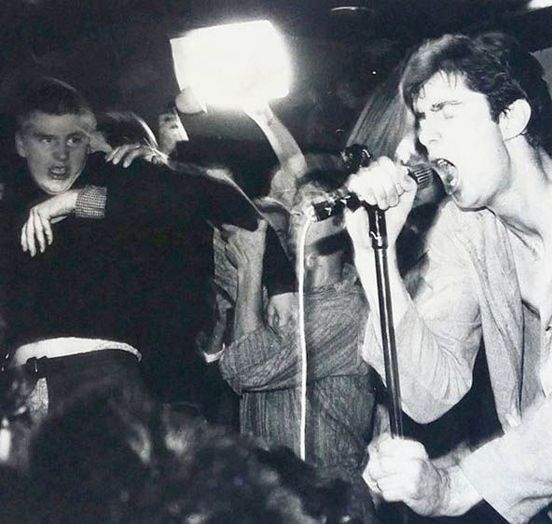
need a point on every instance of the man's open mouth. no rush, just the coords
(448, 173)
(59, 172)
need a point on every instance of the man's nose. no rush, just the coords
(428, 133)
(61, 151)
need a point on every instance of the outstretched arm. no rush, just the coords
(145, 194)
(280, 139)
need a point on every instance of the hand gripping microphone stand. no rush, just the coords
(378, 236)
(355, 157)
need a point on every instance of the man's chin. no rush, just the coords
(465, 205)
(57, 187)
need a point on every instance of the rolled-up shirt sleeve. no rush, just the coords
(91, 202)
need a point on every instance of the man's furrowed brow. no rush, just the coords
(438, 106)
(41, 134)
(80, 133)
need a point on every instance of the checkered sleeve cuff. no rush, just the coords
(91, 202)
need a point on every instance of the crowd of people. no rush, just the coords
(153, 314)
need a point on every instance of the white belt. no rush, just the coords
(65, 346)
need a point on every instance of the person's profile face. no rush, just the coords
(464, 144)
(55, 148)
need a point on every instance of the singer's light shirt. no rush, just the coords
(470, 290)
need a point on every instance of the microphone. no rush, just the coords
(354, 157)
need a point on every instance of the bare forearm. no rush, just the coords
(285, 147)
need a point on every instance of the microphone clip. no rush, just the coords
(354, 157)
(334, 205)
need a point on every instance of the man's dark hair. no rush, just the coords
(125, 127)
(493, 64)
(219, 478)
(53, 97)
(114, 456)
(90, 459)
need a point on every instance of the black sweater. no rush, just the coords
(137, 276)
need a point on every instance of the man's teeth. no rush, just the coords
(447, 170)
(58, 171)
(443, 164)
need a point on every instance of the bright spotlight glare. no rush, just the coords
(233, 65)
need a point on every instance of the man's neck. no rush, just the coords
(525, 206)
(526, 210)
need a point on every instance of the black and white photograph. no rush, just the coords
(276, 262)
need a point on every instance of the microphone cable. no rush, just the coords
(300, 269)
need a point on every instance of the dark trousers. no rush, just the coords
(67, 377)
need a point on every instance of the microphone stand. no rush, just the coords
(354, 157)
(378, 235)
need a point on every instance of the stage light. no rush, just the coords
(538, 4)
(233, 65)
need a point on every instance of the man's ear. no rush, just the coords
(19, 146)
(514, 119)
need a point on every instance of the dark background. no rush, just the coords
(117, 51)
